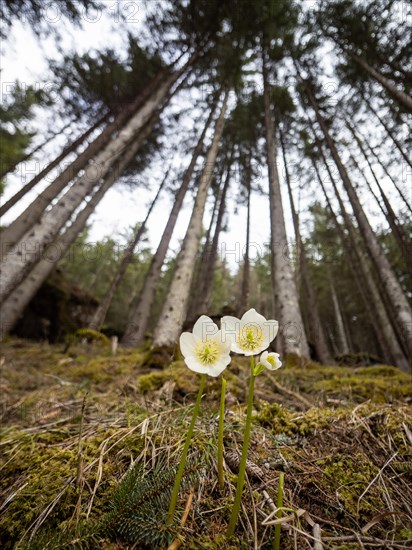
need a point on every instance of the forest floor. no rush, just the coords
(76, 421)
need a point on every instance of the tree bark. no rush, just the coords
(205, 291)
(43, 173)
(200, 275)
(10, 236)
(292, 331)
(138, 320)
(344, 346)
(13, 307)
(389, 132)
(17, 262)
(10, 169)
(175, 308)
(399, 190)
(403, 99)
(316, 326)
(390, 283)
(363, 276)
(100, 314)
(244, 297)
(398, 232)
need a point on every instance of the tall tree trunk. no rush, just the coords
(398, 232)
(100, 314)
(292, 331)
(389, 132)
(401, 97)
(344, 346)
(175, 308)
(15, 231)
(139, 318)
(384, 168)
(8, 169)
(363, 276)
(315, 324)
(47, 169)
(200, 274)
(17, 262)
(353, 255)
(205, 290)
(388, 278)
(13, 307)
(402, 239)
(244, 296)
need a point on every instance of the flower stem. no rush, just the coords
(220, 472)
(242, 466)
(182, 464)
(276, 544)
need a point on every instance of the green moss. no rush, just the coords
(379, 384)
(91, 335)
(405, 534)
(284, 422)
(293, 360)
(216, 543)
(348, 477)
(153, 381)
(330, 455)
(45, 466)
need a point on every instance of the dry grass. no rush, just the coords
(72, 424)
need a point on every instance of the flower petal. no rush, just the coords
(187, 344)
(223, 342)
(220, 365)
(230, 326)
(253, 317)
(204, 328)
(194, 364)
(264, 356)
(270, 329)
(237, 349)
(272, 361)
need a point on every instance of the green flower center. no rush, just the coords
(207, 352)
(270, 359)
(250, 338)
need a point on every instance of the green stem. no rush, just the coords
(242, 466)
(276, 544)
(220, 472)
(182, 464)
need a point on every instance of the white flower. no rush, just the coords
(251, 334)
(204, 349)
(270, 360)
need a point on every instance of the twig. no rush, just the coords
(367, 540)
(408, 432)
(10, 497)
(282, 389)
(269, 500)
(177, 542)
(255, 527)
(80, 473)
(317, 545)
(375, 478)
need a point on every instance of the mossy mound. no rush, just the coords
(75, 423)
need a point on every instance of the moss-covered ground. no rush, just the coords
(75, 419)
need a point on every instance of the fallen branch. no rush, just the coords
(290, 393)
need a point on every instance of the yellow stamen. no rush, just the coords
(207, 352)
(250, 338)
